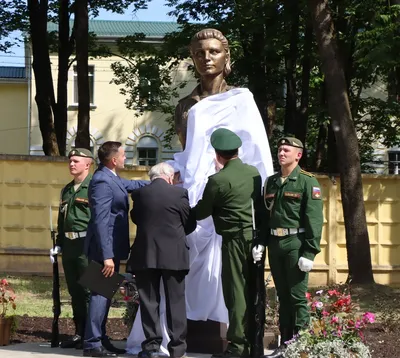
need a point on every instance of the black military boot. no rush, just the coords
(286, 335)
(81, 326)
(76, 340)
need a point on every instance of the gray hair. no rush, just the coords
(161, 170)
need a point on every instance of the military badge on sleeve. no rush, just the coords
(316, 192)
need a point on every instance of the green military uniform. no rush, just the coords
(73, 219)
(227, 197)
(292, 230)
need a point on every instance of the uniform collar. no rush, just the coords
(292, 176)
(85, 182)
(232, 163)
(295, 173)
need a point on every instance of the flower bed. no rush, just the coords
(336, 328)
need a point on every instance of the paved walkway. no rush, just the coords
(43, 350)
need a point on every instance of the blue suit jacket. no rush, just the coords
(108, 230)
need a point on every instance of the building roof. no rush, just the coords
(12, 72)
(113, 28)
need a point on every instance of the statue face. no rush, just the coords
(209, 57)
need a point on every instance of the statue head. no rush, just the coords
(209, 49)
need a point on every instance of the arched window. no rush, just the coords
(147, 151)
(92, 145)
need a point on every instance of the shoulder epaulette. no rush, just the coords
(306, 173)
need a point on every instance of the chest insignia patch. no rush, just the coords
(316, 192)
(81, 200)
(269, 196)
(292, 195)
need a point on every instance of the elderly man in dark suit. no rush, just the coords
(163, 217)
(107, 239)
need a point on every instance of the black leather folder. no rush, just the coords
(95, 281)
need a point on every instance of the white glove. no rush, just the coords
(55, 251)
(305, 265)
(257, 252)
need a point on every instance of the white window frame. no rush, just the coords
(148, 160)
(395, 163)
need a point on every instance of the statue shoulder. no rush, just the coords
(184, 99)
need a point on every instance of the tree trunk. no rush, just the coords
(43, 78)
(320, 148)
(82, 48)
(251, 40)
(293, 14)
(61, 118)
(394, 74)
(301, 127)
(357, 240)
(271, 111)
(332, 156)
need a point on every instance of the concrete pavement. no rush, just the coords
(43, 350)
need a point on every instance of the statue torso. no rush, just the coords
(182, 109)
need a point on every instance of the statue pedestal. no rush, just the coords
(206, 336)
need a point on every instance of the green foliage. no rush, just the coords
(368, 34)
(12, 18)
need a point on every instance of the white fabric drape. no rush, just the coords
(237, 111)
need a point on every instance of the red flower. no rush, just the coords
(333, 293)
(4, 282)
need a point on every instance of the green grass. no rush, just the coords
(33, 297)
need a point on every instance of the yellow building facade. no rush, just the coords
(29, 186)
(110, 119)
(14, 114)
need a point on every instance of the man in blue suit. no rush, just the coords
(107, 240)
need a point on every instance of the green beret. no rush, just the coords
(292, 141)
(80, 152)
(223, 139)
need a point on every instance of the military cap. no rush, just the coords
(223, 139)
(80, 152)
(292, 141)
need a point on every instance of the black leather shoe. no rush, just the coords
(97, 352)
(111, 348)
(277, 353)
(149, 354)
(72, 343)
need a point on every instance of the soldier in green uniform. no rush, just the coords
(228, 199)
(73, 219)
(292, 231)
